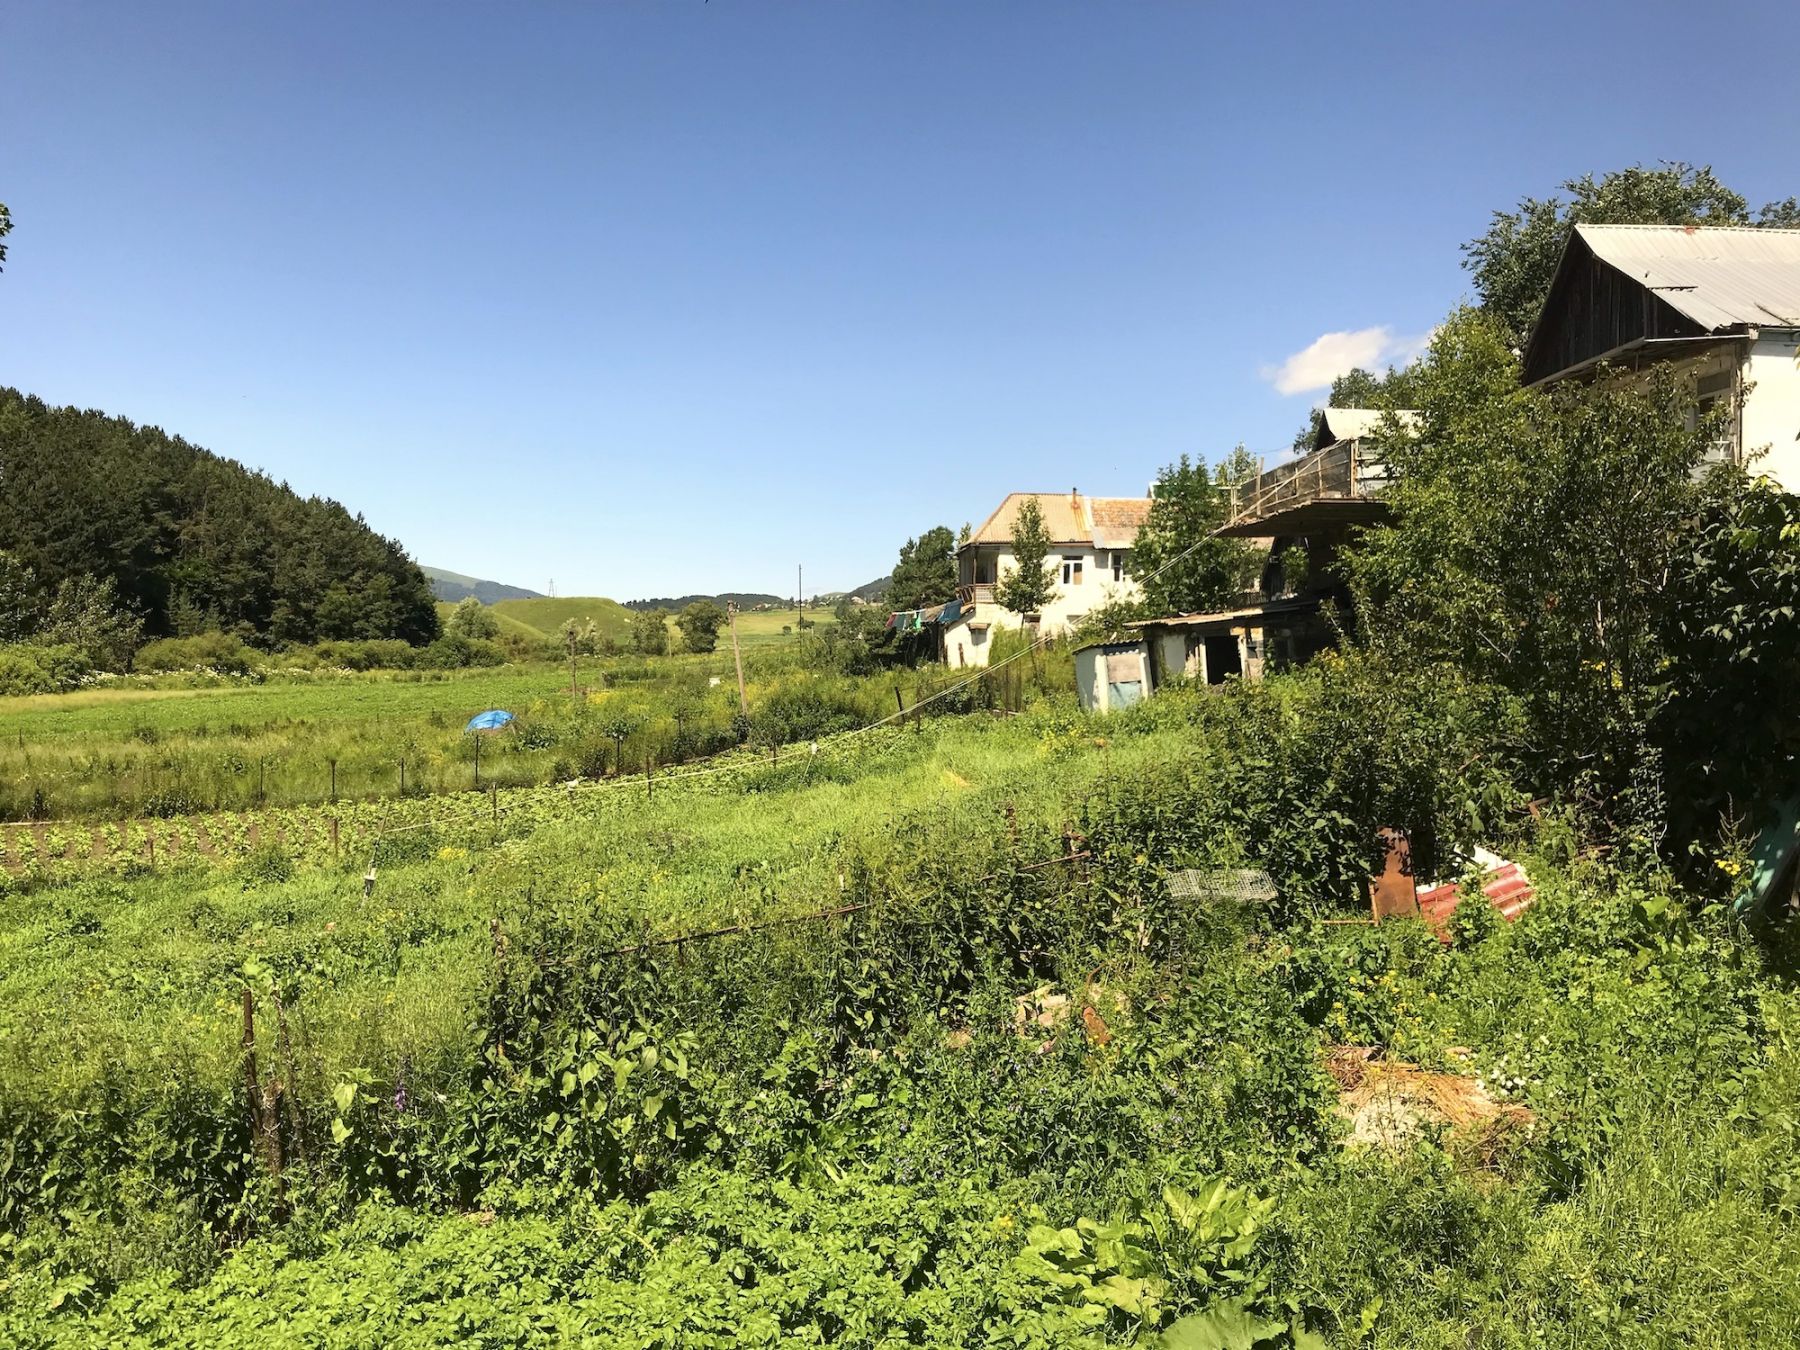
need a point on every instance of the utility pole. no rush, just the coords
(800, 599)
(737, 655)
(574, 688)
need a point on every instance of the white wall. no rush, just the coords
(1067, 603)
(1771, 411)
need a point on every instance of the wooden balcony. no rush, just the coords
(976, 593)
(1338, 485)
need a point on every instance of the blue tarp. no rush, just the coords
(492, 720)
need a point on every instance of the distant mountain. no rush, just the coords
(742, 599)
(454, 586)
(872, 590)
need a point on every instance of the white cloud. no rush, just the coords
(1333, 354)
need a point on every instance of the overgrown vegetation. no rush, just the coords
(889, 1125)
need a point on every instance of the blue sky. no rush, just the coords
(658, 297)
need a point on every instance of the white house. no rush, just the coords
(1720, 303)
(1091, 541)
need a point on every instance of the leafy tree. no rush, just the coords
(699, 624)
(618, 727)
(1782, 215)
(20, 601)
(472, 619)
(579, 637)
(926, 572)
(1514, 260)
(1533, 536)
(86, 615)
(650, 632)
(1183, 567)
(1731, 673)
(1360, 388)
(1028, 587)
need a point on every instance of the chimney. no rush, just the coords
(1074, 499)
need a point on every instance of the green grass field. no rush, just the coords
(311, 738)
(758, 628)
(540, 619)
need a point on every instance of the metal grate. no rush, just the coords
(1212, 885)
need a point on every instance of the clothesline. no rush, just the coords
(914, 620)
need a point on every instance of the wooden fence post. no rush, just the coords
(263, 1124)
(285, 1046)
(332, 824)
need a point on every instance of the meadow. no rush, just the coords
(908, 1040)
(176, 746)
(539, 620)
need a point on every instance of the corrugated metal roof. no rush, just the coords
(1070, 518)
(1720, 276)
(1349, 424)
(1271, 609)
(1506, 887)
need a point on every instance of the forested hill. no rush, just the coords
(194, 540)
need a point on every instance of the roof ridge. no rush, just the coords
(1685, 229)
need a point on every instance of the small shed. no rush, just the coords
(1111, 675)
(1211, 648)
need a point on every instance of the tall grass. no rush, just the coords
(174, 751)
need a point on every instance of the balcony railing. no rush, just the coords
(1337, 473)
(977, 593)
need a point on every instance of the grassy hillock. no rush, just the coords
(539, 618)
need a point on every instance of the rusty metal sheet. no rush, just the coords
(1393, 890)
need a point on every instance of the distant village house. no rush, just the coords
(1091, 542)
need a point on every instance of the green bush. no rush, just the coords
(203, 651)
(370, 654)
(453, 652)
(29, 669)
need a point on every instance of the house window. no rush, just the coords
(1714, 394)
(1118, 564)
(1071, 574)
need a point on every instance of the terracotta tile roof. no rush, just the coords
(1117, 520)
(1098, 522)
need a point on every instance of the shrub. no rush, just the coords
(203, 651)
(452, 652)
(371, 654)
(29, 669)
